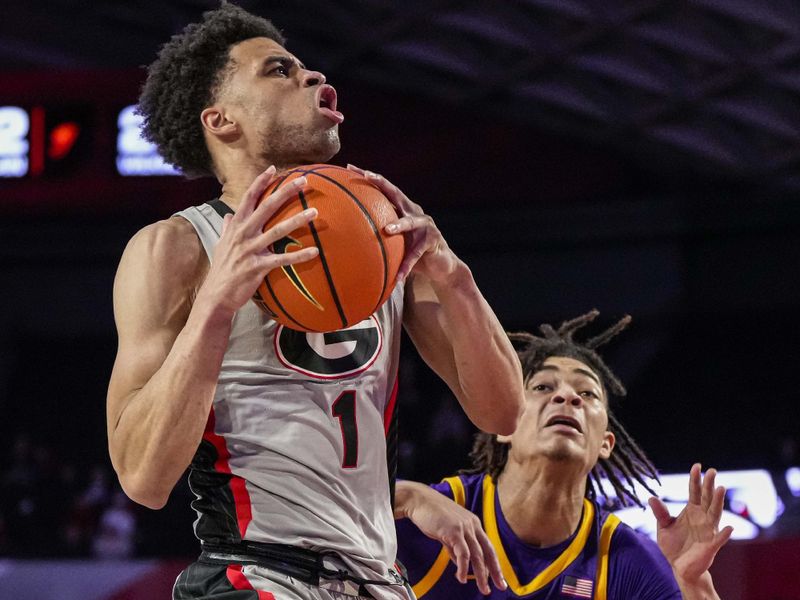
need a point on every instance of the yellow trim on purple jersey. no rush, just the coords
(556, 567)
(424, 585)
(601, 581)
(459, 494)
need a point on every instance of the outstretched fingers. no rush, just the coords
(490, 559)
(722, 537)
(390, 190)
(478, 565)
(459, 554)
(272, 261)
(708, 489)
(473, 548)
(716, 505)
(411, 258)
(660, 512)
(422, 237)
(285, 227)
(253, 193)
(695, 488)
(407, 224)
(356, 169)
(226, 221)
(270, 205)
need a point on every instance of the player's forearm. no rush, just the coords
(488, 369)
(407, 495)
(163, 423)
(701, 589)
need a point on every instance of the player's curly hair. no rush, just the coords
(185, 78)
(627, 463)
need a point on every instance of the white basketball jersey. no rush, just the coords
(295, 447)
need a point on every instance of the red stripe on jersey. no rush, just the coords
(241, 498)
(239, 581)
(387, 414)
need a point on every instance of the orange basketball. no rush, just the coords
(357, 265)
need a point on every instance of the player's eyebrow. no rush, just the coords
(588, 373)
(286, 61)
(575, 370)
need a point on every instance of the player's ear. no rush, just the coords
(607, 444)
(216, 121)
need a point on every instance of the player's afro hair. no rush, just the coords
(627, 463)
(185, 79)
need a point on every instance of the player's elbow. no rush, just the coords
(144, 479)
(500, 418)
(494, 404)
(507, 425)
(494, 411)
(143, 491)
(504, 422)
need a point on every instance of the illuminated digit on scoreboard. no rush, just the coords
(129, 140)
(135, 155)
(14, 126)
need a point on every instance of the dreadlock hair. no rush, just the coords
(627, 463)
(186, 77)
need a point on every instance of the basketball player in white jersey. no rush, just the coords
(284, 433)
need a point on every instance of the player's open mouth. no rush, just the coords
(326, 102)
(564, 420)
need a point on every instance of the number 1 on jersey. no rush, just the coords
(344, 409)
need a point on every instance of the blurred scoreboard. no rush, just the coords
(70, 142)
(135, 155)
(41, 141)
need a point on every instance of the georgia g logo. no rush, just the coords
(333, 355)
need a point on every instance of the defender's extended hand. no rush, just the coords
(457, 529)
(691, 540)
(426, 250)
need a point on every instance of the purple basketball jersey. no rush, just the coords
(603, 560)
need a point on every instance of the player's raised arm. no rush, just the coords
(173, 315)
(450, 322)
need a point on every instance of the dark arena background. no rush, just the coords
(637, 156)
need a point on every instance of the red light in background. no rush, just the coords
(62, 139)
(37, 141)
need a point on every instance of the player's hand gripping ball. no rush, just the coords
(356, 269)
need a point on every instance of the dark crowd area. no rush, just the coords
(52, 507)
(60, 498)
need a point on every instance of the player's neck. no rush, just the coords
(542, 505)
(236, 178)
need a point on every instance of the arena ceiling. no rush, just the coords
(712, 83)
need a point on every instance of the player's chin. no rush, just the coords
(328, 145)
(565, 451)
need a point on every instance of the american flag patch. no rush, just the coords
(575, 586)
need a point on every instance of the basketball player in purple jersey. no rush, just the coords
(284, 433)
(525, 515)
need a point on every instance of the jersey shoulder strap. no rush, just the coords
(221, 208)
(207, 222)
